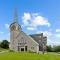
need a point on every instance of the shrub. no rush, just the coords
(4, 44)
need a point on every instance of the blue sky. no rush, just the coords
(35, 16)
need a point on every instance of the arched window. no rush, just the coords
(13, 28)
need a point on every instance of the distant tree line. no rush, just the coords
(53, 49)
(4, 44)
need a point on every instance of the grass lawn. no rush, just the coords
(28, 56)
(1, 49)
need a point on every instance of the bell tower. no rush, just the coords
(15, 25)
(15, 29)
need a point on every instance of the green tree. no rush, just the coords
(56, 48)
(4, 44)
(49, 48)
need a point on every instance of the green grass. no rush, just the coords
(28, 56)
(1, 49)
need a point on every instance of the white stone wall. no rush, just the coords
(31, 44)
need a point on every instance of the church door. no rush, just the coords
(22, 49)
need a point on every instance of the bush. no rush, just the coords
(56, 48)
(53, 49)
(49, 49)
(4, 44)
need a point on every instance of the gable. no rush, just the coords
(26, 37)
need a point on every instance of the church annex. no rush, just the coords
(20, 41)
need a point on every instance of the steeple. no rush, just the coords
(15, 16)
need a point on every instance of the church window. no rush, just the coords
(22, 40)
(13, 28)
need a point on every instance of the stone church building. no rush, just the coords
(20, 41)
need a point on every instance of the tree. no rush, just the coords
(56, 48)
(4, 44)
(49, 48)
(0, 44)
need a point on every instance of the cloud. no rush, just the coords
(34, 20)
(57, 30)
(7, 26)
(57, 35)
(31, 28)
(52, 43)
(39, 20)
(26, 17)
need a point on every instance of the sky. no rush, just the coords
(34, 16)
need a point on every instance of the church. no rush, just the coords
(20, 41)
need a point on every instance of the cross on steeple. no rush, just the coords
(15, 16)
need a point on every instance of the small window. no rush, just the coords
(13, 27)
(32, 47)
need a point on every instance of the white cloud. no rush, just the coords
(26, 19)
(7, 26)
(39, 20)
(49, 42)
(57, 30)
(52, 43)
(31, 28)
(26, 16)
(47, 33)
(57, 35)
(34, 20)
